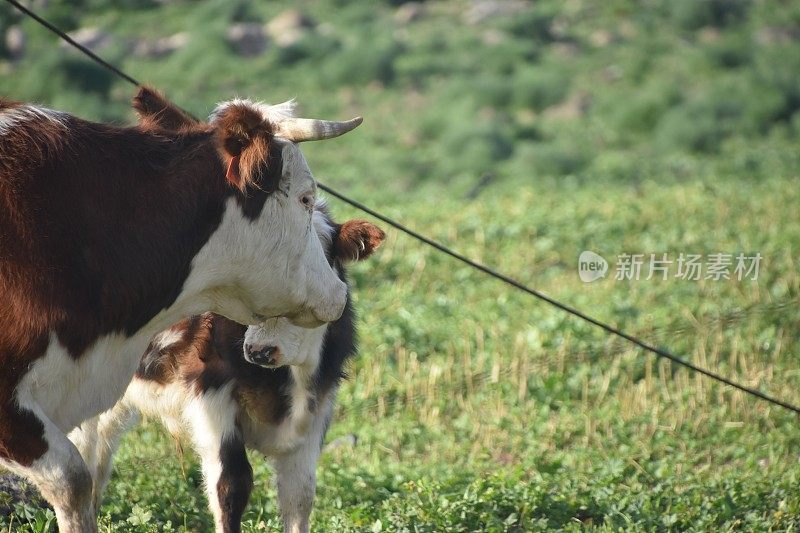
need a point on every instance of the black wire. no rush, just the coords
(444, 249)
(71, 41)
(571, 310)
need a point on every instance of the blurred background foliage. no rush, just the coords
(611, 90)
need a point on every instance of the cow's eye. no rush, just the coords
(308, 200)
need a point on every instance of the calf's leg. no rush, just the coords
(234, 484)
(297, 483)
(227, 473)
(297, 475)
(98, 440)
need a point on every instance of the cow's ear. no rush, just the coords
(155, 110)
(243, 140)
(357, 239)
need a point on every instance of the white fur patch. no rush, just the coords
(70, 390)
(15, 116)
(211, 417)
(322, 225)
(167, 338)
(296, 473)
(271, 113)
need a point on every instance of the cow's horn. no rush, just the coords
(306, 129)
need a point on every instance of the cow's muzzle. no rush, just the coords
(327, 309)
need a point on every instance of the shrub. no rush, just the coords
(358, 64)
(538, 87)
(555, 159)
(477, 148)
(694, 14)
(731, 51)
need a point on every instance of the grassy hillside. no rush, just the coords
(522, 135)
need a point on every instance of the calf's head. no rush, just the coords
(277, 342)
(266, 260)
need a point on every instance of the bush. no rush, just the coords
(555, 159)
(538, 87)
(534, 24)
(476, 148)
(359, 64)
(694, 14)
(731, 51)
(698, 126)
(87, 76)
(637, 111)
(777, 79)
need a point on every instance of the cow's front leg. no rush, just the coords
(227, 473)
(32, 446)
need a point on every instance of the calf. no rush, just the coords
(271, 388)
(109, 234)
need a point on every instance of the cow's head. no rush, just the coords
(279, 343)
(264, 260)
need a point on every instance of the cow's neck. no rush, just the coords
(151, 273)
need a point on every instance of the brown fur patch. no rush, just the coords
(235, 483)
(155, 111)
(21, 433)
(6, 103)
(357, 240)
(166, 364)
(244, 139)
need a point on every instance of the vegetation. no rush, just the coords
(522, 137)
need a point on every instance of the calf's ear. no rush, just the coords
(155, 110)
(243, 141)
(357, 239)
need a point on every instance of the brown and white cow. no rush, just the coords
(110, 234)
(226, 386)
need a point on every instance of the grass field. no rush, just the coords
(475, 407)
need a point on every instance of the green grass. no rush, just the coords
(477, 407)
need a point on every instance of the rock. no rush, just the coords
(612, 73)
(156, 48)
(409, 12)
(482, 10)
(15, 42)
(289, 27)
(92, 38)
(708, 35)
(345, 441)
(570, 109)
(627, 29)
(566, 49)
(778, 35)
(492, 37)
(247, 38)
(559, 28)
(601, 38)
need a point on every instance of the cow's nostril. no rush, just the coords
(262, 356)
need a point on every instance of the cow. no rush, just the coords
(110, 234)
(228, 387)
